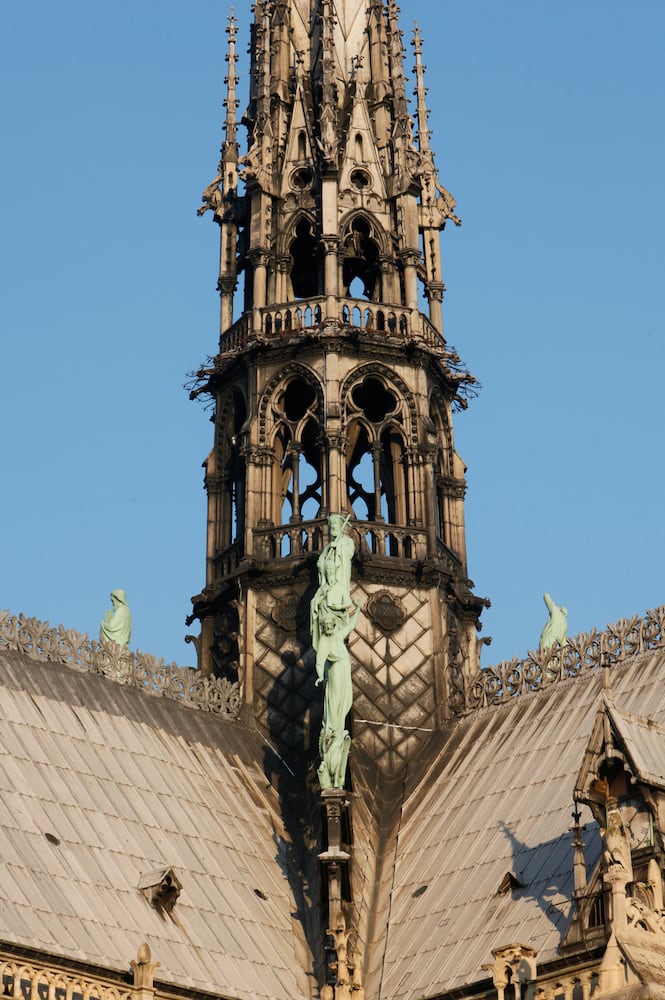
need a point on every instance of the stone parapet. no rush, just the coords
(44, 643)
(495, 685)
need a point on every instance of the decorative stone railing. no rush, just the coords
(39, 641)
(381, 539)
(372, 538)
(23, 981)
(495, 685)
(227, 561)
(285, 540)
(292, 318)
(34, 980)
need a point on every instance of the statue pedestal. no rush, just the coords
(335, 859)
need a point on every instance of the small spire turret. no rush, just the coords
(423, 133)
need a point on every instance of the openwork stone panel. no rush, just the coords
(29, 982)
(40, 641)
(586, 651)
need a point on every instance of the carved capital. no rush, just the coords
(434, 291)
(262, 455)
(330, 244)
(227, 284)
(259, 256)
(410, 257)
(453, 488)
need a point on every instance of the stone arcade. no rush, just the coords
(178, 833)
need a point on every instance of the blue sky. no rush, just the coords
(548, 129)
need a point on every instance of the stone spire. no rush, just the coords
(333, 393)
(437, 204)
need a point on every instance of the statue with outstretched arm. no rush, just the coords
(556, 627)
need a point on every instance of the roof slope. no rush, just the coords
(645, 742)
(499, 800)
(125, 784)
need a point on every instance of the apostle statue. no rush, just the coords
(117, 624)
(556, 627)
(330, 625)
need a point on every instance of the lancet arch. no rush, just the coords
(229, 472)
(378, 411)
(363, 243)
(299, 243)
(291, 413)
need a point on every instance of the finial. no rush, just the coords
(421, 92)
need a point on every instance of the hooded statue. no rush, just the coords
(117, 624)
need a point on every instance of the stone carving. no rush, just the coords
(39, 641)
(556, 627)
(285, 615)
(386, 611)
(211, 197)
(117, 624)
(616, 845)
(342, 962)
(494, 685)
(330, 625)
(20, 979)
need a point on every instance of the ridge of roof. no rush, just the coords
(509, 679)
(42, 642)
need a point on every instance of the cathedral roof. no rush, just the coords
(484, 852)
(106, 789)
(111, 794)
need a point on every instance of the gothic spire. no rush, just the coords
(229, 163)
(421, 93)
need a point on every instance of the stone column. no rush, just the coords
(330, 246)
(227, 287)
(617, 877)
(259, 259)
(410, 260)
(434, 293)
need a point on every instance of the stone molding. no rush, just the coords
(46, 644)
(495, 685)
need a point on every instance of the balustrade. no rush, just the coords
(290, 319)
(372, 538)
(495, 685)
(227, 561)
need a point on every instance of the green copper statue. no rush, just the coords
(556, 628)
(117, 624)
(330, 625)
(333, 668)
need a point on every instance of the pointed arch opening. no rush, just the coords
(360, 266)
(304, 251)
(298, 456)
(231, 465)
